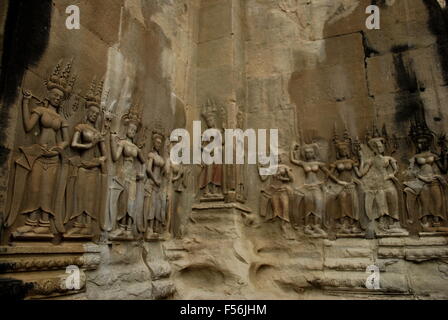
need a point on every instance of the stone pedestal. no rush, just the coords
(217, 220)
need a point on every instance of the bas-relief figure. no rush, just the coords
(426, 191)
(40, 173)
(156, 187)
(345, 201)
(180, 195)
(86, 188)
(275, 199)
(69, 197)
(241, 191)
(381, 186)
(313, 204)
(211, 179)
(126, 196)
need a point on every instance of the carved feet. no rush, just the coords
(34, 228)
(80, 231)
(315, 231)
(122, 234)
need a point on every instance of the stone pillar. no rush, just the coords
(221, 66)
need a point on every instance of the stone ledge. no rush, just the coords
(219, 206)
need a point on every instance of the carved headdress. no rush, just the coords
(61, 79)
(133, 116)
(420, 131)
(94, 95)
(345, 141)
(216, 111)
(159, 130)
(209, 109)
(375, 135)
(313, 146)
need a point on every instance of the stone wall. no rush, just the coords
(305, 67)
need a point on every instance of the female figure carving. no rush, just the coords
(345, 206)
(313, 208)
(40, 175)
(382, 197)
(88, 178)
(125, 190)
(426, 192)
(155, 203)
(275, 199)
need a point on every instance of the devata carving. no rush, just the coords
(345, 201)
(426, 192)
(126, 197)
(314, 196)
(180, 201)
(211, 180)
(275, 201)
(40, 174)
(86, 189)
(241, 191)
(155, 201)
(381, 186)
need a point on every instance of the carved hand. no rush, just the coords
(27, 94)
(390, 177)
(56, 149)
(99, 138)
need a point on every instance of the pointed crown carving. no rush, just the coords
(61, 79)
(159, 130)
(346, 140)
(419, 130)
(210, 109)
(94, 95)
(133, 116)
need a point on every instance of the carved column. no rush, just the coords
(221, 69)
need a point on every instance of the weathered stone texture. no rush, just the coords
(297, 65)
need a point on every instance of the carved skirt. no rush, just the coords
(155, 206)
(40, 188)
(88, 193)
(345, 203)
(314, 200)
(125, 193)
(431, 199)
(382, 202)
(279, 202)
(211, 174)
(39, 184)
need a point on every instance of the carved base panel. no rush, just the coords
(79, 237)
(351, 235)
(213, 198)
(416, 250)
(38, 271)
(32, 237)
(393, 235)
